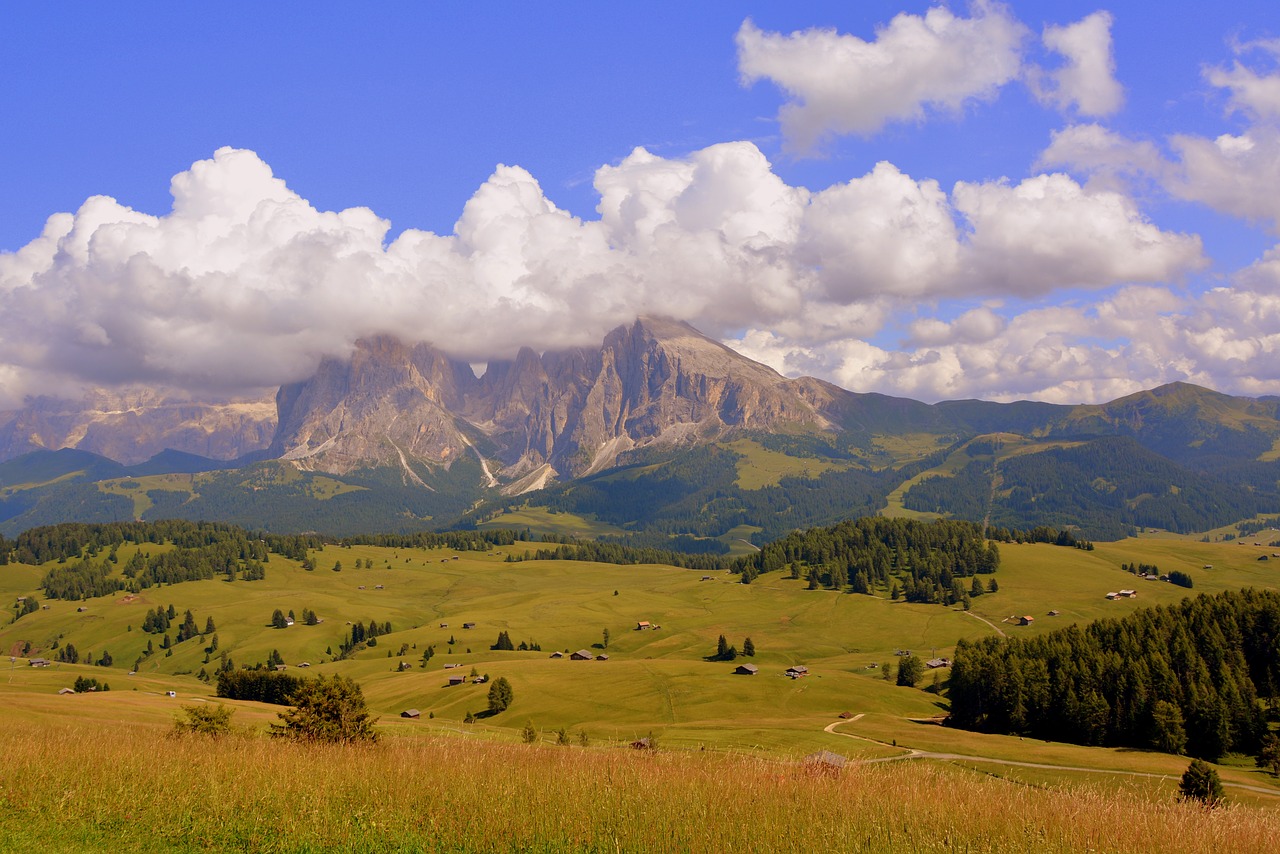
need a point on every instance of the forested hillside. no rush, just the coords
(1106, 487)
(1183, 679)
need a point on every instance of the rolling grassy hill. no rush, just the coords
(654, 681)
(721, 733)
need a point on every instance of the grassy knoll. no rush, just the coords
(759, 467)
(541, 520)
(126, 788)
(739, 540)
(1037, 578)
(909, 447)
(136, 488)
(319, 487)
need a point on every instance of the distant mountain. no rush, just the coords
(133, 425)
(564, 414)
(64, 464)
(659, 431)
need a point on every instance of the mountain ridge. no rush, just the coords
(647, 431)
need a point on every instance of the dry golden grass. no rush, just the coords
(93, 787)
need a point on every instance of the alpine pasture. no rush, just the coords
(730, 744)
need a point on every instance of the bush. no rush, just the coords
(212, 719)
(1200, 783)
(500, 695)
(910, 669)
(329, 709)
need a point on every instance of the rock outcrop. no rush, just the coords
(536, 417)
(656, 381)
(386, 405)
(133, 425)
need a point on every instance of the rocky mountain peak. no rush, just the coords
(654, 381)
(133, 424)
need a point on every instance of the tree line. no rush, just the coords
(925, 559)
(1183, 678)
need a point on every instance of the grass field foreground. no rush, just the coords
(133, 788)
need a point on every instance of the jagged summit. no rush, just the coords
(571, 411)
(132, 425)
(565, 414)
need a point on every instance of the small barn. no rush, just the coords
(604, 656)
(410, 713)
(642, 625)
(557, 654)
(935, 663)
(468, 625)
(746, 669)
(583, 655)
(40, 662)
(797, 670)
(457, 679)
(1026, 620)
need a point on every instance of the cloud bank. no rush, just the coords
(245, 284)
(1054, 286)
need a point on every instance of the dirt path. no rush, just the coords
(911, 753)
(999, 630)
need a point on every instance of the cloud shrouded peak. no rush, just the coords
(842, 84)
(245, 285)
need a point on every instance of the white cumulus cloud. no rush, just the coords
(841, 84)
(244, 285)
(1253, 93)
(1086, 82)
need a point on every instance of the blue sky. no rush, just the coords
(899, 197)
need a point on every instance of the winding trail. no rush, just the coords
(999, 630)
(912, 753)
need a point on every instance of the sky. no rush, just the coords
(1059, 201)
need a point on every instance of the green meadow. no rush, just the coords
(759, 467)
(656, 682)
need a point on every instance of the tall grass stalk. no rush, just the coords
(90, 787)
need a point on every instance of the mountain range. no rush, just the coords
(661, 432)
